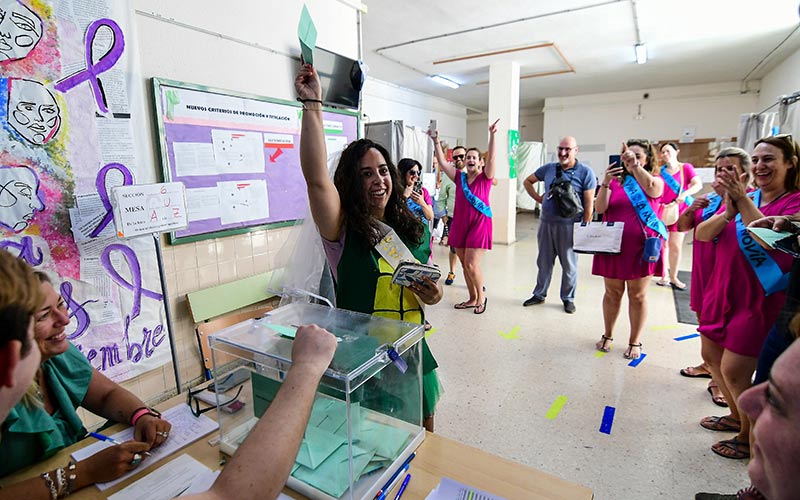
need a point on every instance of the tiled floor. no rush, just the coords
(498, 388)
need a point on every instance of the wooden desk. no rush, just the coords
(437, 457)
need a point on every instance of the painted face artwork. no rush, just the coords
(20, 30)
(19, 197)
(32, 111)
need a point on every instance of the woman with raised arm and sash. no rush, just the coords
(745, 293)
(630, 193)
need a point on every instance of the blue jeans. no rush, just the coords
(773, 347)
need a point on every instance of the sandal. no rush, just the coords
(481, 308)
(716, 395)
(732, 448)
(450, 277)
(604, 344)
(721, 424)
(628, 354)
(663, 282)
(677, 285)
(699, 371)
(464, 305)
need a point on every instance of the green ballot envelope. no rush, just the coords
(367, 415)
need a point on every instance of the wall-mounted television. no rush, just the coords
(341, 78)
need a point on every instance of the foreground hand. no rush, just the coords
(151, 430)
(493, 127)
(733, 184)
(699, 204)
(113, 462)
(775, 222)
(613, 171)
(418, 199)
(428, 291)
(306, 83)
(313, 348)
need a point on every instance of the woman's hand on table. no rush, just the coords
(111, 463)
(151, 430)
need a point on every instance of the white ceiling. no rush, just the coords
(688, 42)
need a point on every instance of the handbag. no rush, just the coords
(670, 213)
(597, 237)
(564, 196)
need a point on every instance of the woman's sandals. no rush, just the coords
(604, 344)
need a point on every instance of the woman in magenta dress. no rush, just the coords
(679, 187)
(742, 300)
(736, 161)
(471, 229)
(628, 269)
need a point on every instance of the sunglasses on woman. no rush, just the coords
(413, 173)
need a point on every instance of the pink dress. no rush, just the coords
(470, 228)
(737, 315)
(628, 264)
(702, 264)
(669, 195)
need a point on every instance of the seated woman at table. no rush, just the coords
(46, 420)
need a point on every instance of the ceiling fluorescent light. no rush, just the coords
(641, 53)
(444, 81)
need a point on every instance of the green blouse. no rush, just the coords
(30, 434)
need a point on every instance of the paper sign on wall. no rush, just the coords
(149, 208)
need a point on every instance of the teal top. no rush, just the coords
(30, 434)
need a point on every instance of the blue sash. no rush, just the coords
(642, 206)
(674, 185)
(473, 200)
(772, 278)
(416, 209)
(715, 201)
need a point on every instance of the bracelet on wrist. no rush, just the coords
(725, 217)
(48, 481)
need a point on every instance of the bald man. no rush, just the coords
(555, 232)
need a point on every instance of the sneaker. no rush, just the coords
(569, 307)
(450, 278)
(534, 300)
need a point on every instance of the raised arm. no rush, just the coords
(489, 169)
(262, 463)
(445, 165)
(326, 207)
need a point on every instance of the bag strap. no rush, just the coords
(392, 248)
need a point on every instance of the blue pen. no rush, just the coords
(383, 490)
(103, 437)
(394, 481)
(403, 487)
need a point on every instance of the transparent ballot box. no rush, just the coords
(367, 414)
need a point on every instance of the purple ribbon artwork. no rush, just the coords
(103, 64)
(102, 190)
(27, 251)
(76, 310)
(136, 276)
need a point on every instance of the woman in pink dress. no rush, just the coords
(637, 182)
(471, 229)
(679, 187)
(736, 161)
(742, 299)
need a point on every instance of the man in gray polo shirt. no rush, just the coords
(555, 232)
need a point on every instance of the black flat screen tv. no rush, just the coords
(341, 78)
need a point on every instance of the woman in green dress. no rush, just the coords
(352, 213)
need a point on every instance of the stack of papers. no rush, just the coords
(449, 489)
(322, 461)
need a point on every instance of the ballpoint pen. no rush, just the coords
(403, 487)
(103, 437)
(393, 482)
(396, 473)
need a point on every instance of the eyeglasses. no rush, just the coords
(196, 411)
(413, 173)
(565, 149)
(459, 157)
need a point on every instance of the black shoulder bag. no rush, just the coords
(563, 194)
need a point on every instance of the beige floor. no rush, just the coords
(499, 387)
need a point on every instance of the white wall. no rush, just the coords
(531, 128)
(600, 122)
(783, 80)
(382, 101)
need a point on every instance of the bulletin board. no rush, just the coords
(238, 156)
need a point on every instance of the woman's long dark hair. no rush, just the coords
(405, 165)
(357, 217)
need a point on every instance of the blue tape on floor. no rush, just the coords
(608, 420)
(634, 363)
(686, 337)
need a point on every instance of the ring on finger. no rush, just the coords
(137, 459)
(163, 434)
